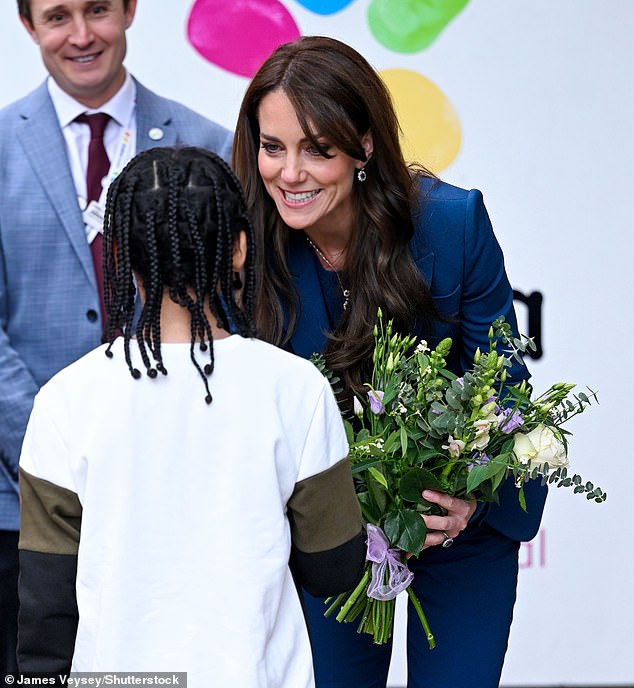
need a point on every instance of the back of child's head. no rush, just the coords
(173, 217)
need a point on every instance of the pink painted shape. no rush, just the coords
(238, 35)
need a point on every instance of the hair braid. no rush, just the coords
(156, 295)
(173, 217)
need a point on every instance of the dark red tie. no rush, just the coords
(98, 168)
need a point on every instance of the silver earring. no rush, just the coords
(361, 175)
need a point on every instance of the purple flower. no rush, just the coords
(496, 408)
(376, 402)
(478, 459)
(510, 421)
(481, 458)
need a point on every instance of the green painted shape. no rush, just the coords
(409, 26)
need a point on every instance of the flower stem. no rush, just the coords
(333, 605)
(361, 587)
(362, 628)
(423, 619)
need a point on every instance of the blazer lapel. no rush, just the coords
(421, 253)
(154, 121)
(425, 265)
(309, 336)
(45, 148)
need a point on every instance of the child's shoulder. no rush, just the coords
(267, 357)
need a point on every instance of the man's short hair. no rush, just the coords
(24, 9)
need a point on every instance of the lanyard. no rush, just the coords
(93, 214)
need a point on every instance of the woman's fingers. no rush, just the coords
(449, 526)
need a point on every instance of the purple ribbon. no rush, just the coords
(382, 557)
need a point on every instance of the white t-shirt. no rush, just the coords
(185, 541)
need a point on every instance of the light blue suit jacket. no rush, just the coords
(49, 305)
(458, 255)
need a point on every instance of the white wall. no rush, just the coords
(543, 92)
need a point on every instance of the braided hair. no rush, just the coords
(173, 216)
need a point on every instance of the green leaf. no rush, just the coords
(349, 431)
(404, 441)
(522, 498)
(422, 456)
(453, 399)
(412, 484)
(378, 493)
(362, 436)
(498, 479)
(369, 508)
(406, 530)
(483, 472)
(378, 476)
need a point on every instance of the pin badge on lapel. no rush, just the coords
(155, 134)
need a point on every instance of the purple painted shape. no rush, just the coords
(240, 34)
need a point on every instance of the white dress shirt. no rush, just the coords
(119, 136)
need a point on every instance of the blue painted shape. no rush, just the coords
(325, 6)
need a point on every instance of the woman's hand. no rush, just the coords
(440, 528)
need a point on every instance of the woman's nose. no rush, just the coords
(293, 171)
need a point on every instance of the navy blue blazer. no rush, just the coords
(459, 257)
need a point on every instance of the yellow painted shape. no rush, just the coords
(431, 128)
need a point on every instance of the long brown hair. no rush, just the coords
(336, 92)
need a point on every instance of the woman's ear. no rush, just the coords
(368, 145)
(239, 252)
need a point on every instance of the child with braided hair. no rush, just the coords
(157, 526)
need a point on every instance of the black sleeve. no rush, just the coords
(47, 623)
(50, 524)
(330, 572)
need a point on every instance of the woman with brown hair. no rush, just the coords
(345, 226)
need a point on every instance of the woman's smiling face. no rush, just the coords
(311, 192)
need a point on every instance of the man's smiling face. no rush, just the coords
(83, 45)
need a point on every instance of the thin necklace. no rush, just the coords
(345, 292)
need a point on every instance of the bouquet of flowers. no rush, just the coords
(422, 427)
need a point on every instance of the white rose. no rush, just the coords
(539, 446)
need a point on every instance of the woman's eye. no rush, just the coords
(318, 151)
(270, 148)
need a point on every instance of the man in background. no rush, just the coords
(60, 146)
